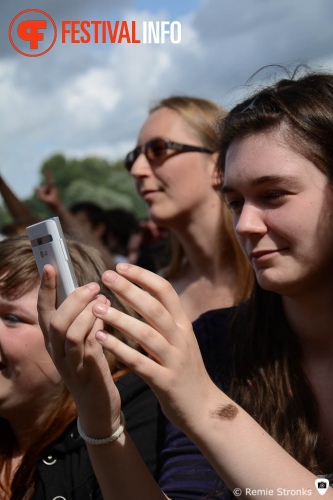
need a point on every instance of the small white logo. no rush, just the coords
(322, 485)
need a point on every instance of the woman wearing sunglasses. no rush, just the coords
(173, 165)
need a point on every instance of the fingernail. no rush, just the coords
(122, 266)
(101, 298)
(100, 336)
(110, 276)
(100, 308)
(93, 286)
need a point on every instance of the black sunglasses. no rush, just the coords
(156, 151)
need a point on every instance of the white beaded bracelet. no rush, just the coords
(106, 440)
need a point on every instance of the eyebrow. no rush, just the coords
(265, 179)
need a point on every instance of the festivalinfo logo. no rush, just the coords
(33, 32)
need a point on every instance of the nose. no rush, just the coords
(250, 221)
(141, 167)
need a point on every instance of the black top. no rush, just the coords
(185, 473)
(64, 470)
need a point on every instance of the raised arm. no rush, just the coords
(17, 208)
(70, 339)
(49, 194)
(243, 454)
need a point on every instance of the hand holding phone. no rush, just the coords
(49, 247)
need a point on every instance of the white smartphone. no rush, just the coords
(49, 247)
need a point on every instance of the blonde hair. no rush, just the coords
(203, 116)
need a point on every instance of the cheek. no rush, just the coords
(40, 376)
(242, 243)
(285, 222)
(185, 169)
(44, 367)
(169, 172)
(37, 362)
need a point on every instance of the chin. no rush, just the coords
(161, 218)
(273, 283)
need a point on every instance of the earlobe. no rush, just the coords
(217, 177)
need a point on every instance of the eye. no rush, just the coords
(157, 149)
(275, 195)
(11, 319)
(235, 205)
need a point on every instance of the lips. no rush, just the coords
(257, 254)
(148, 193)
(144, 190)
(261, 254)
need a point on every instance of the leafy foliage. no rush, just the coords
(89, 179)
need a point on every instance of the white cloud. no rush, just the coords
(92, 99)
(90, 96)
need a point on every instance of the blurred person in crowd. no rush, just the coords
(121, 224)
(116, 229)
(84, 221)
(173, 165)
(139, 242)
(150, 246)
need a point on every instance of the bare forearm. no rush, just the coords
(246, 457)
(16, 207)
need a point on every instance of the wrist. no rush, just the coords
(58, 208)
(104, 440)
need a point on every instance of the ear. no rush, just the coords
(216, 175)
(99, 229)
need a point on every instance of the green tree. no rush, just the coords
(4, 216)
(88, 179)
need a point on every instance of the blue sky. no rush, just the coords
(174, 7)
(91, 100)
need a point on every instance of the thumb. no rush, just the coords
(46, 304)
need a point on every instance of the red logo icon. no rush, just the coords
(32, 37)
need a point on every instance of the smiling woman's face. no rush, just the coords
(28, 377)
(282, 207)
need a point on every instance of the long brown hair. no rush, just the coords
(269, 381)
(19, 275)
(202, 115)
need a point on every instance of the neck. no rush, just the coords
(29, 422)
(200, 239)
(25, 431)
